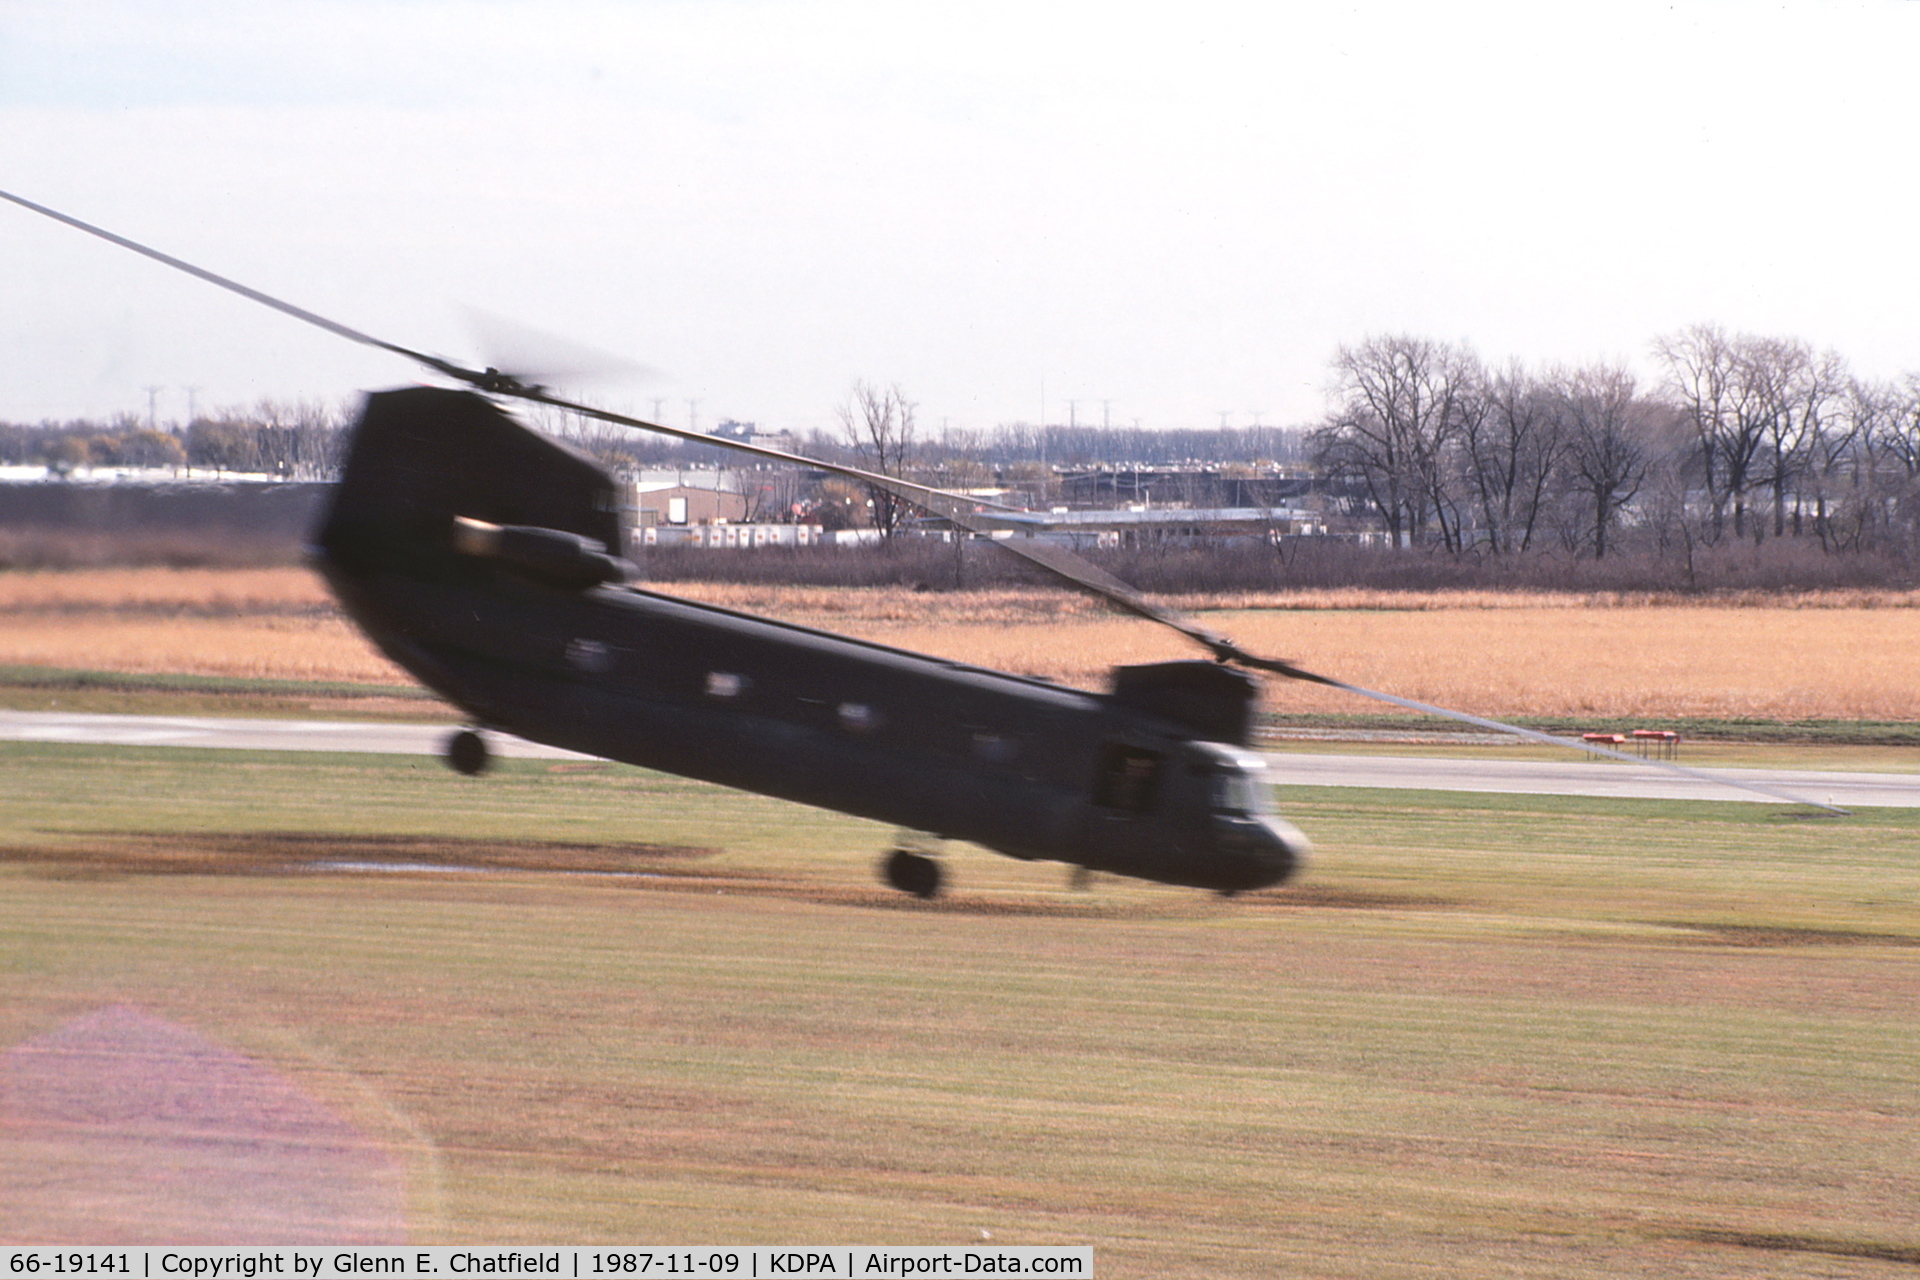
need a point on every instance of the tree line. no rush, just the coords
(1742, 437)
(297, 441)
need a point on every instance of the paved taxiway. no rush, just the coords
(252, 735)
(1537, 777)
(1594, 777)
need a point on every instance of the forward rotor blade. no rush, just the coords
(1577, 744)
(1089, 577)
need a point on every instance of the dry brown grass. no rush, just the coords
(236, 591)
(261, 623)
(1827, 655)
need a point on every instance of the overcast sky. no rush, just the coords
(1178, 209)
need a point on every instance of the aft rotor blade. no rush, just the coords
(960, 509)
(920, 495)
(234, 286)
(495, 381)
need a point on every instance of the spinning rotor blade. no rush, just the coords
(538, 358)
(1079, 572)
(494, 380)
(921, 495)
(1089, 577)
(1555, 740)
(265, 300)
(962, 511)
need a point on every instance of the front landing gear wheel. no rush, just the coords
(467, 752)
(912, 873)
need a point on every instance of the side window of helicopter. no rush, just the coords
(725, 684)
(1128, 780)
(995, 748)
(589, 655)
(1238, 791)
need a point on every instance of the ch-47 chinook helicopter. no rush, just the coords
(483, 558)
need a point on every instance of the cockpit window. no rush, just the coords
(1237, 791)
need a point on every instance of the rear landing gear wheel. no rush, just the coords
(467, 752)
(912, 873)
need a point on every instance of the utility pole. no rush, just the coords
(1106, 415)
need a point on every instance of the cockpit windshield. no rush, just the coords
(1239, 790)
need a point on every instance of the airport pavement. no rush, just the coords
(1592, 777)
(1537, 777)
(253, 735)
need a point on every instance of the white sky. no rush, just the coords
(1179, 208)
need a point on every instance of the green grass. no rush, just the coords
(30, 688)
(1486, 1035)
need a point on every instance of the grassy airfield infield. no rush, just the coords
(1482, 1036)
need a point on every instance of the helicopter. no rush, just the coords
(485, 559)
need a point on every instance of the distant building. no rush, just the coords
(741, 537)
(693, 496)
(1185, 485)
(1138, 526)
(748, 433)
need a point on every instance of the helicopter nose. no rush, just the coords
(1286, 849)
(1259, 851)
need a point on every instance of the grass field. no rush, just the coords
(1482, 1036)
(1486, 1036)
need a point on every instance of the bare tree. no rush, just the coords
(303, 440)
(1609, 428)
(878, 425)
(1513, 447)
(1398, 405)
(1789, 392)
(1704, 376)
(1883, 466)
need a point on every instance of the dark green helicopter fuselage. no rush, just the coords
(531, 630)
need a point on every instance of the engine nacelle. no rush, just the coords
(570, 561)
